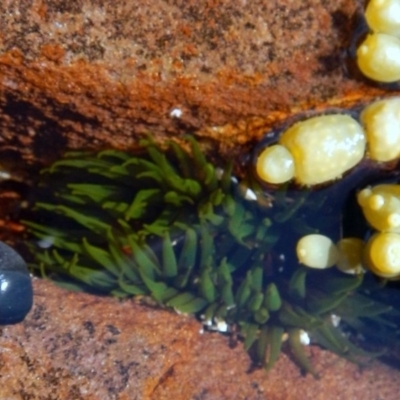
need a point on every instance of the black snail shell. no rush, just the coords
(16, 294)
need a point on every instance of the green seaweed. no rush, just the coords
(161, 223)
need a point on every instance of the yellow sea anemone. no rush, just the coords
(350, 255)
(275, 164)
(324, 147)
(381, 207)
(382, 254)
(316, 251)
(384, 16)
(381, 121)
(378, 57)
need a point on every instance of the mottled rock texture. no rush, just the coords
(95, 73)
(98, 73)
(79, 347)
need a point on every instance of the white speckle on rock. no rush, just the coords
(176, 113)
(221, 326)
(10, 83)
(215, 324)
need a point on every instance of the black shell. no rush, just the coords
(16, 294)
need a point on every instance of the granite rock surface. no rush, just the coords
(95, 74)
(75, 346)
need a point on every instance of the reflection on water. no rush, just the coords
(170, 225)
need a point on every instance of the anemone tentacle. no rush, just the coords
(167, 224)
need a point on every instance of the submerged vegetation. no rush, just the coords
(168, 224)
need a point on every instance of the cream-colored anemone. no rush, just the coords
(384, 16)
(381, 121)
(275, 164)
(381, 207)
(316, 251)
(324, 147)
(378, 57)
(350, 255)
(382, 254)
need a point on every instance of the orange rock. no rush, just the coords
(92, 74)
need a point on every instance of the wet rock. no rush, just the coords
(96, 74)
(16, 294)
(89, 73)
(78, 346)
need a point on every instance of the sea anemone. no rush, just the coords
(378, 55)
(381, 206)
(383, 16)
(165, 223)
(381, 121)
(321, 149)
(316, 150)
(317, 251)
(382, 254)
(275, 164)
(350, 255)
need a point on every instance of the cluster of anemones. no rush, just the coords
(381, 252)
(381, 208)
(323, 148)
(319, 251)
(378, 56)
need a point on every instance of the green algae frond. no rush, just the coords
(168, 224)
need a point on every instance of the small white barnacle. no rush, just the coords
(324, 147)
(381, 121)
(384, 16)
(378, 57)
(316, 251)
